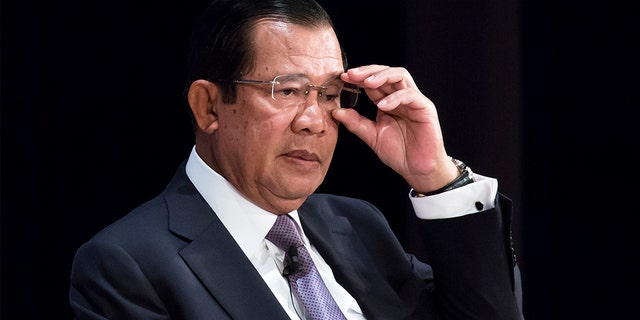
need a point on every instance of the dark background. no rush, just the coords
(93, 124)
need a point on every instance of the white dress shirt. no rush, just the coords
(249, 225)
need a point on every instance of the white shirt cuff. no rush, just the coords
(472, 198)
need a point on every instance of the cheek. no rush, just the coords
(256, 129)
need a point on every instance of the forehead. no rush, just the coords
(288, 48)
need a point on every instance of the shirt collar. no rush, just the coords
(247, 223)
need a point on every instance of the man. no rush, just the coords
(268, 88)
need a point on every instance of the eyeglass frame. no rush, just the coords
(308, 88)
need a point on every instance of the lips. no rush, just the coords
(303, 155)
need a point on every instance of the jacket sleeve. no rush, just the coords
(474, 268)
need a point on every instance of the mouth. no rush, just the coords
(302, 155)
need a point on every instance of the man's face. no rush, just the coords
(278, 154)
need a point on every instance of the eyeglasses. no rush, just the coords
(288, 90)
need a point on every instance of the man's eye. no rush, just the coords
(287, 92)
(330, 97)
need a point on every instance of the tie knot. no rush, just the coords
(284, 233)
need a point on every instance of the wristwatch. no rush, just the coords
(465, 177)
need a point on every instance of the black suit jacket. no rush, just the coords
(172, 258)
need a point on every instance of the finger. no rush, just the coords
(395, 78)
(375, 76)
(359, 74)
(410, 97)
(379, 81)
(389, 97)
(359, 125)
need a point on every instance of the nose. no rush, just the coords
(313, 117)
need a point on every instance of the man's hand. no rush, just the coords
(406, 133)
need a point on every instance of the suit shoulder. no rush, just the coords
(149, 215)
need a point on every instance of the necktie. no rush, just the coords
(306, 283)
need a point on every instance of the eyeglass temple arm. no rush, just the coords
(354, 90)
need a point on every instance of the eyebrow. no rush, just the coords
(335, 76)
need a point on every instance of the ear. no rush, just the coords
(203, 99)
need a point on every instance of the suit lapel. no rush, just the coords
(219, 263)
(223, 268)
(215, 258)
(334, 237)
(330, 235)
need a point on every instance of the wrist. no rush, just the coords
(464, 178)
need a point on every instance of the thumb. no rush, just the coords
(359, 125)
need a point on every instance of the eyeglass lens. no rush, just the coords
(294, 89)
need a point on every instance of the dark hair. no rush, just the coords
(220, 47)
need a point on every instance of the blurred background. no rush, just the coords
(93, 124)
